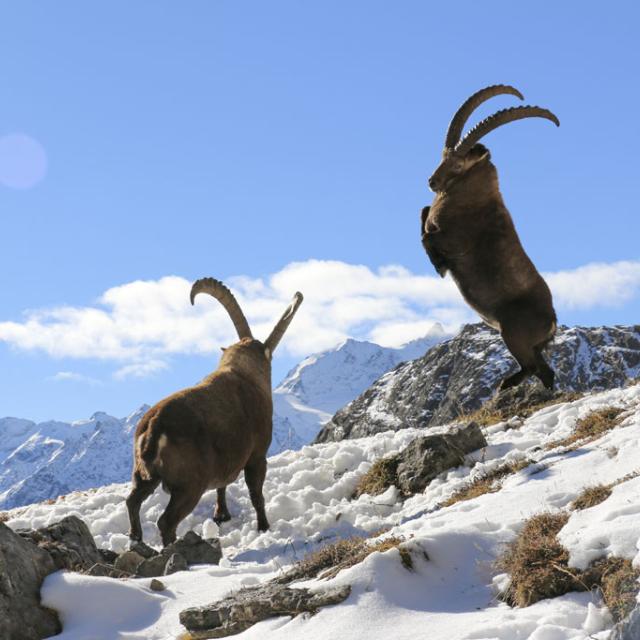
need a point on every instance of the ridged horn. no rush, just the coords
(470, 105)
(498, 119)
(220, 292)
(279, 330)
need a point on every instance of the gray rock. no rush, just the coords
(107, 571)
(152, 567)
(427, 457)
(157, 585)
(143, 549)
(129, 561)
(23, 567)
(459, 375)
(629, 628)
(195, 550)
(243, 609)
(108, 556)
(175, 563)
(69, 542)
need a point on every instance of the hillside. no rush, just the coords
(459, 375)
(450, 592)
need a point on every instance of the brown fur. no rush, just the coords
(202, 437)
(469, 232)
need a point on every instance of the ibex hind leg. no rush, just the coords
(543, 372)
(221, 513)
(254, 474)
(140, 491)
(182, 502)
(521, 349)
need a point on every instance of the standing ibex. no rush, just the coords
(469, 232)
(202, 437)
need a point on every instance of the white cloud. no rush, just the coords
(596, 285)
(140, 324)
(72, 376)
(140, 369)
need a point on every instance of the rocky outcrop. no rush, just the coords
(69, 543)
(459, 375)
(241, 610)
(426, 458)
(23, 567)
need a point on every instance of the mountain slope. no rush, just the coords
(43, 461)
(451, 591)
(458, 375)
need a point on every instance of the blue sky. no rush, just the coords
(278, 146)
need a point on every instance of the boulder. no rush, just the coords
(23, 567)
(241, 610)
(129, 561)
(195, 550)
(69, 542)
(427, 457)
(175, 563)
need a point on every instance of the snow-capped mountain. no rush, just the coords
(459, 374)
(322, 383)
(46, 460)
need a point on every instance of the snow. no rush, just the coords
(451, 595)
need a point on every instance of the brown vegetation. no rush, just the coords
(379, 478)
(591, 496)
(329, 560)
(591, 427)
(486, 483)
(538, 568)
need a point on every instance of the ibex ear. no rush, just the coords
(223, 348)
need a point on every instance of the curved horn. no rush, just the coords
(470, 105)
(279, 330)
(498, 119)
(220, 292)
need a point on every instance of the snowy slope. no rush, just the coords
(449, 596)
(46, 460)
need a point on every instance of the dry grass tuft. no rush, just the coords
(537, 562)
(381, 475)
(328, 561)
(538, 566)
(591, 496)
(591, 427)
(618, 581)
(487, 483)
(487, 415)
(4, 516)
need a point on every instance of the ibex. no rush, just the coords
(468, 231)
(202, 437)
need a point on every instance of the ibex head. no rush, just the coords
(459, 156)
(219, 291)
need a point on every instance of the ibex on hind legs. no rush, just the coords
(469, 232)
(202, 437)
